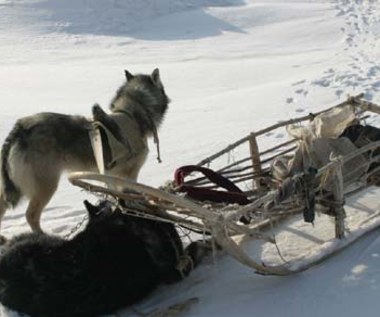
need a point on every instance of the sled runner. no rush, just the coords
(279, 209)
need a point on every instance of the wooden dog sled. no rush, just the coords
(313, 176)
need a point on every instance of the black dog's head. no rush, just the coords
(103, 209)
(104, 213)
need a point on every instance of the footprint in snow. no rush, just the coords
(373, 71)
(299, 82)
(323, 82)
(301, 91)
(376, 85)
(339, 93)
(368, 95)
(355, 67)
(329, 71)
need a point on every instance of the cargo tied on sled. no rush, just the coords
(280, 209)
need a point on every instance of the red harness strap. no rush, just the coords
(232, 195)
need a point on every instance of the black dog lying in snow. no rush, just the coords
(116, 261)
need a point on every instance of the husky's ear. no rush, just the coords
(156, 76)
(128, 75)
(92, 210)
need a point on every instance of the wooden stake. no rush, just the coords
(338, 192)
(256, 163)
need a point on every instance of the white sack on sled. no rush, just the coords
(318, 141)
(329, 124)
(332, 123)
(317, 153)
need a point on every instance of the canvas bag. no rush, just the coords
(317, 143)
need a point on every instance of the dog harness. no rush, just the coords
(154, 131)
(119, 150)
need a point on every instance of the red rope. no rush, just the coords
(232, 194)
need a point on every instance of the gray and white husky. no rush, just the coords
(42, 146)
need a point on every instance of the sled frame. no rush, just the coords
(222, 222)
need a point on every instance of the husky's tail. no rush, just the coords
(9, 192)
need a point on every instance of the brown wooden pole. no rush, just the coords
(256, 163)
(338, 192)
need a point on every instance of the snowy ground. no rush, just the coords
(230, 67)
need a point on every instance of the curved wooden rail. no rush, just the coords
(218, 226)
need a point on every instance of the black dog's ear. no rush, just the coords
(92, 210)
(128, 75)
(156, 76)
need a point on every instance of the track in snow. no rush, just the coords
(361, 72)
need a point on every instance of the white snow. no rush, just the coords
(230, 67)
